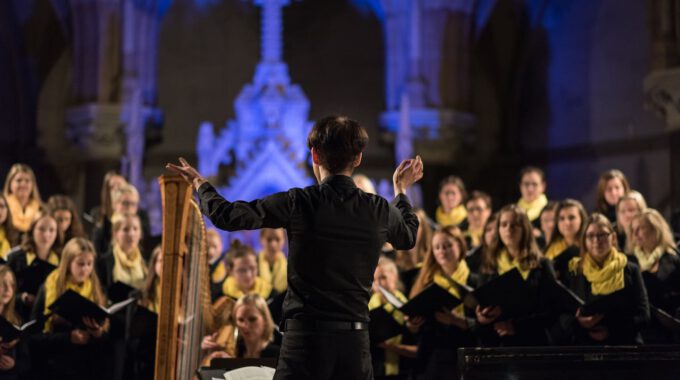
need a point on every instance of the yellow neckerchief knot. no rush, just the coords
(22, 217)
(453, 217)
(556, 248)
(129, 268)
(505, 263)
(533, 208)
(52, 258)
(460, 275)
(647, 261)
(277, 274)
(608, 278)
(231, 289)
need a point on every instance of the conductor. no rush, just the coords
(335, 232)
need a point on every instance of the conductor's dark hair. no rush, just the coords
(338, 141)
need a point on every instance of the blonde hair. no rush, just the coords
(641, 204)
(123, 190)
(260, 305)
(388, 264)
(119, 220)
(74, 248)
(8, 310)
(664, 235)
(22, 168)
(364, 183)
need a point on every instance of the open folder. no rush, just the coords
(432, 299)
(382, 326)
(73, 308)
(509, 291)
(10, 331)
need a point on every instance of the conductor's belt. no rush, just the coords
(300, 325)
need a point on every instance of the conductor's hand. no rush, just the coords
(406, 174)
(187, 172)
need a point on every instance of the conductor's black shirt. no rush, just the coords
(335, 233)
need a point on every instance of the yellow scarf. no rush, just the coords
(4, 244)
(505, 263)
(647, 261)
(22, 217)
(129, 268)
(391, 357)
(52, 258)
(276, 275)
(219, 273)
(460, 275)
(229, 288)
(84, 289)
(453, 217)
(475, 237)
(607, 279)
(533, 209)
(556, 248)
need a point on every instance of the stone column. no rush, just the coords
(427, 57)
(114, 45)
(662, 84)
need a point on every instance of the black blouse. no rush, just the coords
(631, 312)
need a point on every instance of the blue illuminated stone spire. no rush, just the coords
(266, 142)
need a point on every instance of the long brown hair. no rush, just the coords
(63, 203)
(74, 248)
(529, 255)
(149, 296)
(8, 310)
(430, 264)
(605, 177)
(11, 233)
(568, 203)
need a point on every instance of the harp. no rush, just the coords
(186, 313)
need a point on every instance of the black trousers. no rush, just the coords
(325, 355)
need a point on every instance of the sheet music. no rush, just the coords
(391, 298)
(249, 373)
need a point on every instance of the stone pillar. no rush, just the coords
(662, 84)
(114, 45)
(427, 46)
